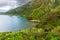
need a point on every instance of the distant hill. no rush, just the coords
(47, 11)
(38, 10)
(34, 7)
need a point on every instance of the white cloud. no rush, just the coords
(6, 1)
(6, 5)
(5, 8)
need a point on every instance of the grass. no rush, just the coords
(32, 34)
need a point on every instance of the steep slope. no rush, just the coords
(50, 20)
(49, 27)
(28, 8)
(42, 10)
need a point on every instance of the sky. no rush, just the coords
(6, 5)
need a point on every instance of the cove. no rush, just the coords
(13, 23)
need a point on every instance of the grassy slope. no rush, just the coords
(27, 10)
(32, 34)
(48, 28)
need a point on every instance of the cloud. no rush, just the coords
(6, 5)
(12, 2)
(9, 4)
(5, 8)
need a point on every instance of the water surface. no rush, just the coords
(13, 23)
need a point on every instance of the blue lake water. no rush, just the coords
(13, 23)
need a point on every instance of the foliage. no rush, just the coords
(32, 34)
(47, 11)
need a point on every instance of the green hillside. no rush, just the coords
(35, 8)
(47, 11)
(28, 9)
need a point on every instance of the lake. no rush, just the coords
(13, 23)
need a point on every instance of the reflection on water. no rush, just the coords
(13, 23)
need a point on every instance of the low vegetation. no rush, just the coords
(47, 11)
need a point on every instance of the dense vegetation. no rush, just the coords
(47, 11)
(32, 34)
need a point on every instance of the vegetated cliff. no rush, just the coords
(47, 11)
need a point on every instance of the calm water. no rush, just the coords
(13, 23)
